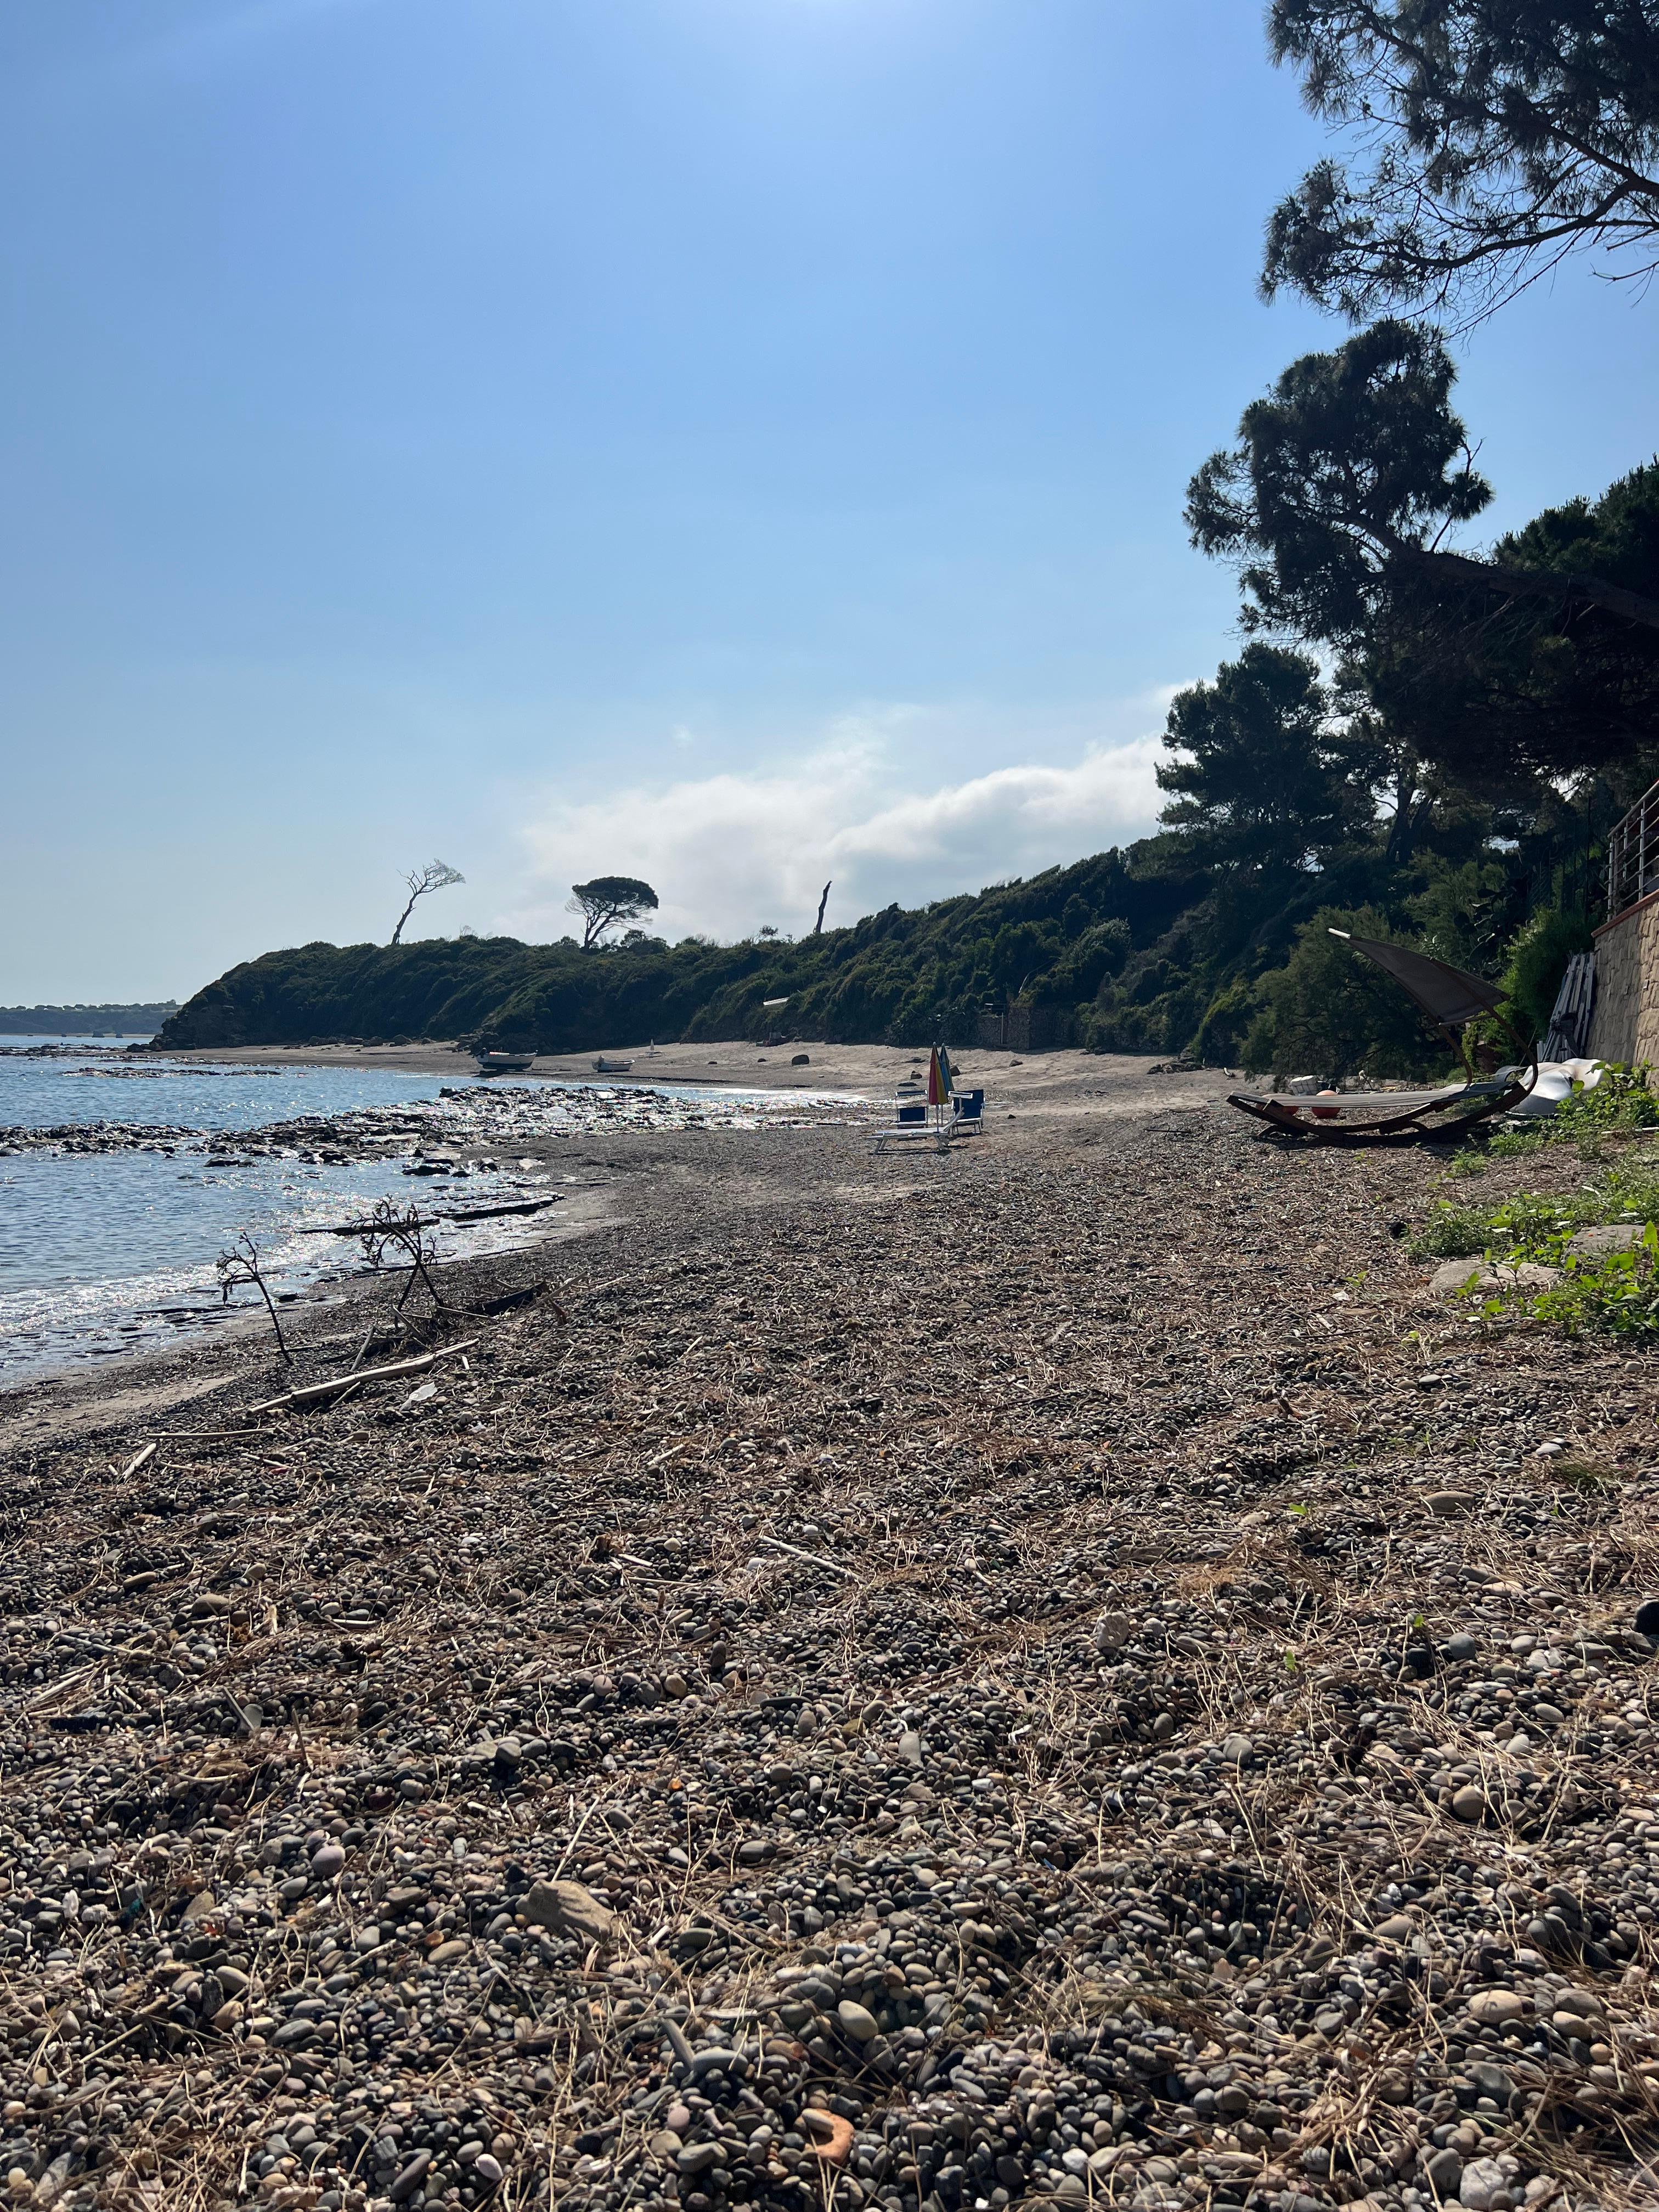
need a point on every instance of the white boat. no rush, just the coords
(504, 1063)
(604, 1066)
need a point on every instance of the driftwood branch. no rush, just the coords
(313, 1394)
(416, 1222)
(795, 1553)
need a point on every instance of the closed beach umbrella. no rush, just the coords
(938, 1076)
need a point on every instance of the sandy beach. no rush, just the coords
(1053, 1671)
(1061, 1081)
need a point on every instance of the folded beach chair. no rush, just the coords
(1449, 997)
(969, 1113)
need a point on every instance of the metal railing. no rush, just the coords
(1633, 854)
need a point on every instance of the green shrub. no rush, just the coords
(1598, 1293)
(1615, 1293)
(1516, 1229)
(1330, 1011)
(1537, 961)
(1620, 1103)
(1622, 1100)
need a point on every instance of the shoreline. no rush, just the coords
(872, 1071)
(489, 1123)
(1058, 1090)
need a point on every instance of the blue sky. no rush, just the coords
(738, 440)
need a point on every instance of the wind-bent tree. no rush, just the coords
(1258, 784)
(1498, 136)
(1343, 483)
(436, 875)
(606, 901)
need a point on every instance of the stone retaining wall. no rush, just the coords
(1624, 1025)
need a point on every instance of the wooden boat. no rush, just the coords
(504, 1063)
(604, 1066)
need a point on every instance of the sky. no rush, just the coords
(738, 442)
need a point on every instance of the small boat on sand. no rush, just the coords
(604, 1066)
(504, 1063)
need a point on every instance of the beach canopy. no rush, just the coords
(1448, 995)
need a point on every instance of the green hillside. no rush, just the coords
(1083, 950)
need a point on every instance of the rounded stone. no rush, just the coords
(856, 2023)
(1497, 2008)
(1444, 2168)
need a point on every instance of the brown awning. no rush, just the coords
(1446, 994)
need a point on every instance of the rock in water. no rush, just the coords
(568, 1908)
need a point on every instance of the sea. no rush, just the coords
(108, 1251)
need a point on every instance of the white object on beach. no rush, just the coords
(1556, 1078)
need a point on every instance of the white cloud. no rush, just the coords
(728, 852)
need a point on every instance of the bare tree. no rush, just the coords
(242, 1263)
(818, 926)
(436, 875)
(396, 1236)
(606, 901)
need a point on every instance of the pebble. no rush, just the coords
(1479, 2182)
(569, 1909)
(1497, 2008)
(409, 2180)
(1443, 2170)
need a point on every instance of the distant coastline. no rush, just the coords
(123, 1020)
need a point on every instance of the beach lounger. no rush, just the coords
(1449, 997)
(1334, 1116)
(915, 1125)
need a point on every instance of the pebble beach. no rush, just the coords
(1056, 1674)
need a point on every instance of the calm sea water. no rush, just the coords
(102, 1252)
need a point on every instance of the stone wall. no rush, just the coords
(1624, 1025)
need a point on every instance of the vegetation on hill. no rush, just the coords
(1060, 942)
